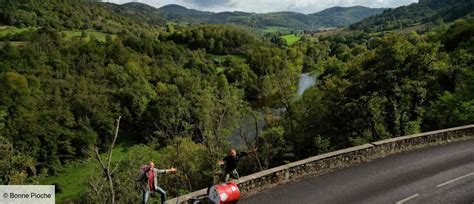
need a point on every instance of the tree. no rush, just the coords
(219, 110)
(107, 169)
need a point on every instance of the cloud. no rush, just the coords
(262, 6)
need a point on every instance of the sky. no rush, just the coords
(263, 6)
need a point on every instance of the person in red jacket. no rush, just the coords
(148, 179)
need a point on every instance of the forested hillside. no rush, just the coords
(130, 17)
(182, 91)
(425, 11)
(343, 16)
(332, 17)
(61, 96)
(73, 15)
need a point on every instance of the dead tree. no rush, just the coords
(106, 168)
(256, 119)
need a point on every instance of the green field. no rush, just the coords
(73, 178)
(222, 58)
(274, 29)
(12, 30)
(219, 69)
(68, 34)
(291, 39)
(14, 43)
(75, 34)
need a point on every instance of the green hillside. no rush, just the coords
(425, 11)
(332, 17)
(182, 88)
(73, 15)
(290, 39)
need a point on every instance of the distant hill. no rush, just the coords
(332, 17)
(343, 16)
(139, 11)
(181, 10)
(137, 17)
(426, 11)
(79, 15)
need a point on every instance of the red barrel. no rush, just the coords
(224, 193)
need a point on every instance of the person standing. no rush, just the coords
(149, 181)
(230, 163)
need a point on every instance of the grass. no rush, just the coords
(73, 178)
(6, 30)
(114, 23)
(14, 44)
(291, 39)
(274, 29)
(13, 30)
(413, 28)
(332, 32)
(68, 35)
(222, 58)
(219, 69)
(76, 34)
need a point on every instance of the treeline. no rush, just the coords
(425, 11)
(331, 17)
(74, 15)
(385, 87)
(369, 88)
(217, 39)
(60, 98)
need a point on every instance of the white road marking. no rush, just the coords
(407, 199)
(454, 180)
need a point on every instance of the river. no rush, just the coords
(248, 121)
(305, 82)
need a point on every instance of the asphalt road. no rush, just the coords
(440, 174)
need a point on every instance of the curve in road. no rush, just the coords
(439, 174)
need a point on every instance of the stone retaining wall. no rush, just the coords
(338, 159)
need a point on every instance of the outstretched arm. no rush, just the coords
(171, 170)
(163, 171)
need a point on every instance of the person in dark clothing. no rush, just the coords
(149, 181)
(230, 163)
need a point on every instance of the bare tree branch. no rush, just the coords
(100, 161)
(107, 169)
(94, 186)
(116, 165)
(113, 143)
(255, 117)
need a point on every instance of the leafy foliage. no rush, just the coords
(332, 17)
(182, 91)
(217, 39)
(397, 85)
(73, 15)
(425, 11)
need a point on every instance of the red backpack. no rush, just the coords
(143, 168)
